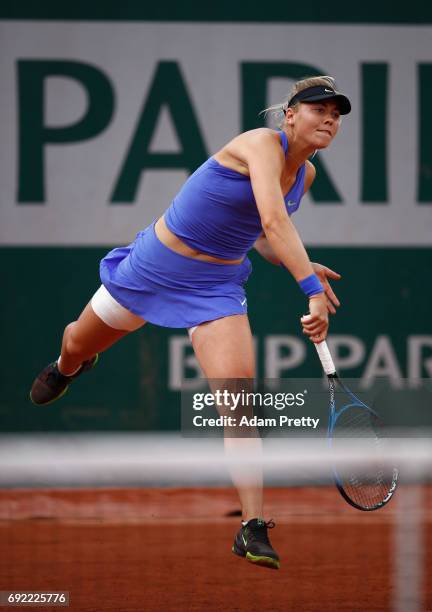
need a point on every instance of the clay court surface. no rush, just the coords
(170, 549)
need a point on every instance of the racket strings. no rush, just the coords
(369, 484)
(356, 422)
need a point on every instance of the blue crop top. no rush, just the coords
(215, 211)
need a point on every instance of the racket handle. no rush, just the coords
(325, 358)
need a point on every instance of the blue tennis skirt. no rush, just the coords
(169, 289)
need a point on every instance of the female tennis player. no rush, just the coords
(188, 269)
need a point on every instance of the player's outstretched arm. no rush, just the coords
(265, 161)
(264, 249)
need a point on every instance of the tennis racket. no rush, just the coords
(371, 485)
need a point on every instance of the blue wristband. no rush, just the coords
(311, 285)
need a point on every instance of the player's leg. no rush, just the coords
(224, 349)
(102, 323)
(83, 338)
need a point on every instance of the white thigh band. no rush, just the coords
(191, 331)
(114, 314)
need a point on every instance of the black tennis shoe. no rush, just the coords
(253, 543)
(50, 385)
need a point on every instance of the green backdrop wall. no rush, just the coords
(382, 294)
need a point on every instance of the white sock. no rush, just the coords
(71, 374)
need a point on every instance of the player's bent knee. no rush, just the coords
(246, 372)
(233, 374)
(246, 376)
(67, 333)
(68, 328)
(74, 347)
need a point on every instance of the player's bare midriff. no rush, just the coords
(174, 243)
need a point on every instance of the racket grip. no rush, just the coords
(325, 357)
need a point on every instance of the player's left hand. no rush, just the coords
(323, 274)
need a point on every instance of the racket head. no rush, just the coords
(370, 485)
